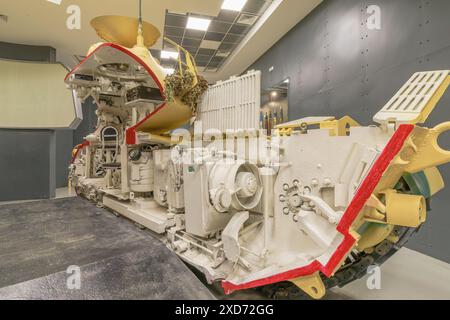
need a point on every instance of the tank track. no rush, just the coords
(349, 273)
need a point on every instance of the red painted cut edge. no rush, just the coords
(127, 52)
(79, 148)
(393, 147)
(130, 132)
(130, 136)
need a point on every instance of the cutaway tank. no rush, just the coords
(323, 200)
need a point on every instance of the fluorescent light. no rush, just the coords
(169, 55)
(169, 71)
(286, 81)
(198, 24)
(233, 5)
(274, 94)
(209, 44)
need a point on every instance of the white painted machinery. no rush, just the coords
(313, 205)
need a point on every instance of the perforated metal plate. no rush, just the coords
(416, 99)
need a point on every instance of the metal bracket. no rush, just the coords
(312, 285)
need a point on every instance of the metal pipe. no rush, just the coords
(140, 13)
(268, 180)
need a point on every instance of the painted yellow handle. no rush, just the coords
(438, 130)
(430, 153)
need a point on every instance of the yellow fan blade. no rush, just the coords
(124, 30)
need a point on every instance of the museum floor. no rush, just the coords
(120, 261)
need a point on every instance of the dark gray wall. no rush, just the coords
(25, 164)
(66, 140)
(337, 66)
(42, 156)
(63, 155)
(88, 124)
(27, 53)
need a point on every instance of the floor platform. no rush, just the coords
(40, 240)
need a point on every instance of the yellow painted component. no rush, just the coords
(433, 102)
(428, 153)
(75, 150)
(392, 175)
(284, 132)
(404, 209)
(160, 139)
(124, 30)
(310, 121)
(393, 238)
(373, 215)
(189, 64)
(374, 235)
(376, 203)
(339, 127)
(435, 180)
(369, 250)
(172, 116)
(312, 285)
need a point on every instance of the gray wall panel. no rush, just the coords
(64, 146)
(436, 25)
(88, 124)
(338, 66)
(347, 99)
(25, 168)
(14, 51)
(342, 42)
(399, 39)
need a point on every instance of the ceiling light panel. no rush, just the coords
(211, 48)
(198, 24)
(207, 44)
(169, 55)
(233, 5)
